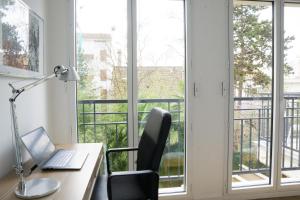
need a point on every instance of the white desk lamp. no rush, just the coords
(40, 187)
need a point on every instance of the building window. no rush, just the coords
(103, 55)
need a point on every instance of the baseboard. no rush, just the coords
(236, 196)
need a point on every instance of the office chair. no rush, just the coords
(142, 183)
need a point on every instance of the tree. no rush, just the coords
(12, 45)
(33, 46)
(84, 89)
(252, 39)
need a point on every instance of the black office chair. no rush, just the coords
(142, 183)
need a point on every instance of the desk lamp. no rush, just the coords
(37, 187)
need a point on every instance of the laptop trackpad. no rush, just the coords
(77, 160)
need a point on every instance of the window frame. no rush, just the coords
(274, 139)
(282, 186)
(276, 185)
(132, 87)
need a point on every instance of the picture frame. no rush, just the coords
(21, 40)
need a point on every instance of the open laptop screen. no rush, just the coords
(38, 145)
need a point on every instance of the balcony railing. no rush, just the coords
(107, 121)
(253, 135)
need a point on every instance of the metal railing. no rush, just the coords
(107, 121)
(253, 134)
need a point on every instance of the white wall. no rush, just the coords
(210, 64)
(32, 106)
(60, 53)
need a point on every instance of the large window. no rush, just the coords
(161, 76)
(252, 93)
(290, 158)
(265, 97)
(131, 58)
(101, 38)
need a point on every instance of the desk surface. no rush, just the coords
(75, 184)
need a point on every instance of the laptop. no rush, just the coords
(44, 154)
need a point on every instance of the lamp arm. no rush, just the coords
(16, 92)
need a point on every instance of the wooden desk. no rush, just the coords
(75, 184)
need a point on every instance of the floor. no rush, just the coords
(284, 198)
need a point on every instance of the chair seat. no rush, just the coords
(126, 187)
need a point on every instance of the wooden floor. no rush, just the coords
(284, 198)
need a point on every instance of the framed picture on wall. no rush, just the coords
(21, 40)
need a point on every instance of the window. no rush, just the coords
(161, 77)
(261, 149)
(290, 157)
(252, 93)
(102, 90)
(134, 64)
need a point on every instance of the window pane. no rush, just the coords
(253, 69)
(290, 164)
(101, 33)
(161, 78)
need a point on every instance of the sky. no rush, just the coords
(160, 28)
(292, 28)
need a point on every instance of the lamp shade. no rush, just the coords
(70, 75)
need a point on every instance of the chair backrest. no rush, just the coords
(153, 140)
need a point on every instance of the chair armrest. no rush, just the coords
(117, 150)
(122, 149)
(135, 173)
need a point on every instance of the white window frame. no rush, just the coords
(228, 183)
(282, 187)
(276, 187)
(132, 87)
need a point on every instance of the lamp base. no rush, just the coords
(36, 188)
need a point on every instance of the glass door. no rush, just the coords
(290, 157)
(102, 92)
(161, 79)
(252, 93)
(131, 58)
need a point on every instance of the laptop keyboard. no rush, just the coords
(60, 159)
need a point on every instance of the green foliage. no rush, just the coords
(113, 133)
(252, 38)
(118, 139)
(84, 90)
(248, 159)
(111, 129)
